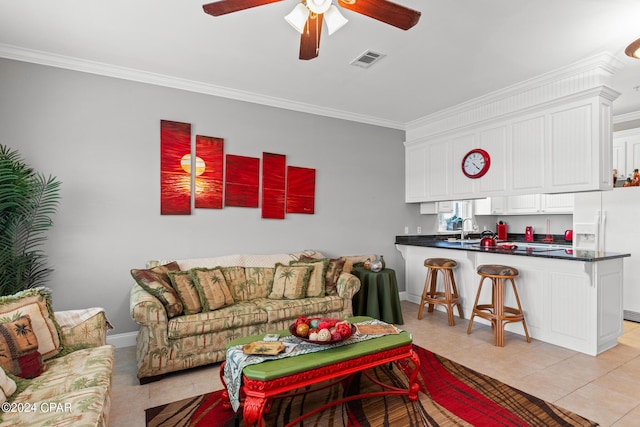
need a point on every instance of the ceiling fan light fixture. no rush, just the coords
(318, 6)
(297, 18)
(334, 19)
(633, 50)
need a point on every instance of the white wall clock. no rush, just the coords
(476, 163)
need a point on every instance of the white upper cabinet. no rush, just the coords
(462, 186)
(438, 171)
(633, 155)
(527, 204)
(557, 203)
(626, 152)
(415, 172)
(524, 204)
(526, 157)
(494, 142)
(489, 206)
(545, 136)
(619, 156)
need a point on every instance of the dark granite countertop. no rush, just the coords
(515, 245)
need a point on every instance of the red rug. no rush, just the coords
(451, 395)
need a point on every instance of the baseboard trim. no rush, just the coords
(403, 296)
(631, 315)
(127, 339)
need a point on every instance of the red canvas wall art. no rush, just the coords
(209, 172)
(241, 182)
(301, 187)
(273, 185)
(175, 168)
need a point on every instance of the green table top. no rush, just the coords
(291, 365)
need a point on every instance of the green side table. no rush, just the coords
(378, 295)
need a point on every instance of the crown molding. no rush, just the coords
(563, 83)
(628, 117)
(92, 67)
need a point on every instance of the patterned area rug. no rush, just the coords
(451, 395)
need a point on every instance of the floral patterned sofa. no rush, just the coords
(56, 368)
(189, 309)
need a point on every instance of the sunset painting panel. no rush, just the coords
(175, 168)
(273, 185)
(241, 182)
(209, 171)
(301, 187)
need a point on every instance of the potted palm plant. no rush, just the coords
(28, 200)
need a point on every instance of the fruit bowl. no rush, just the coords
(294, 332)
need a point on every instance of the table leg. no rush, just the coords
(254, 408)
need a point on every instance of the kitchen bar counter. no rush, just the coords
(572, 300)
(562, 251)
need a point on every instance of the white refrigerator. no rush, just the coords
(609, 221)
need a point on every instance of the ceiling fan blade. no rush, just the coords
(385, 11)
(223, 7)
(310, 38)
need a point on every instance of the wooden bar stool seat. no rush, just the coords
(448, 297)
(496, 312)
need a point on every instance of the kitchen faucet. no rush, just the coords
(462, 228)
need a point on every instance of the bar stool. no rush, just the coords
(448, 297)
(496, 312)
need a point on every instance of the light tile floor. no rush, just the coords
(603, 388)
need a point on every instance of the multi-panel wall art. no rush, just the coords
(221, 180)
(209, 168)
(175, 168)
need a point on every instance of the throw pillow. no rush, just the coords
(334, 270)
(237, 282)
(156, 281)
(317, 279)
(290, 281)
(7, 385)
(212, 286)
(258, 281)
(182, 282)
(36, 303)
(19, 348)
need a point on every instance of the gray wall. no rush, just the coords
(100, 137)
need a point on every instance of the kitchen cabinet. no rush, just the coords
(619, 157)
(489, 206)
(527, 155)
(633, 156)
(436, 207)
(563, 147)
(438, 176)
(523, 204)
(626, 152)
(557, 203)
(415, 173)
(530, 204)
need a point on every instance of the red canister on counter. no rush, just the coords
(528, 233)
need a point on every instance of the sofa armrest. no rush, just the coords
(348, 285)
(145, 308)
(86, 327)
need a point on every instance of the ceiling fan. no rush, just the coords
(308, 16)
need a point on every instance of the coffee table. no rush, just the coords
(264, 382)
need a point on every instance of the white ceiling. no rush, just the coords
(460, 49)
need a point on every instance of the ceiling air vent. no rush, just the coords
(367, 59)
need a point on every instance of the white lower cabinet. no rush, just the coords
(571, 304)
